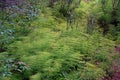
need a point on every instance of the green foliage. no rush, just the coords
(15, 20)
(6, 37)
(10, 66)
(110, 16)
(49, 52)
(62, 7)
(35, 77)
(58, 55)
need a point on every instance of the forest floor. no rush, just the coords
(115, 66)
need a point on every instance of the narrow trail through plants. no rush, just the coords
(115, 66)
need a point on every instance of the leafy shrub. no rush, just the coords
(15, 20)
(6, 37)
(11, 66)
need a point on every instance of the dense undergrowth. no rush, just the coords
(50, 52)
(56, 54)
